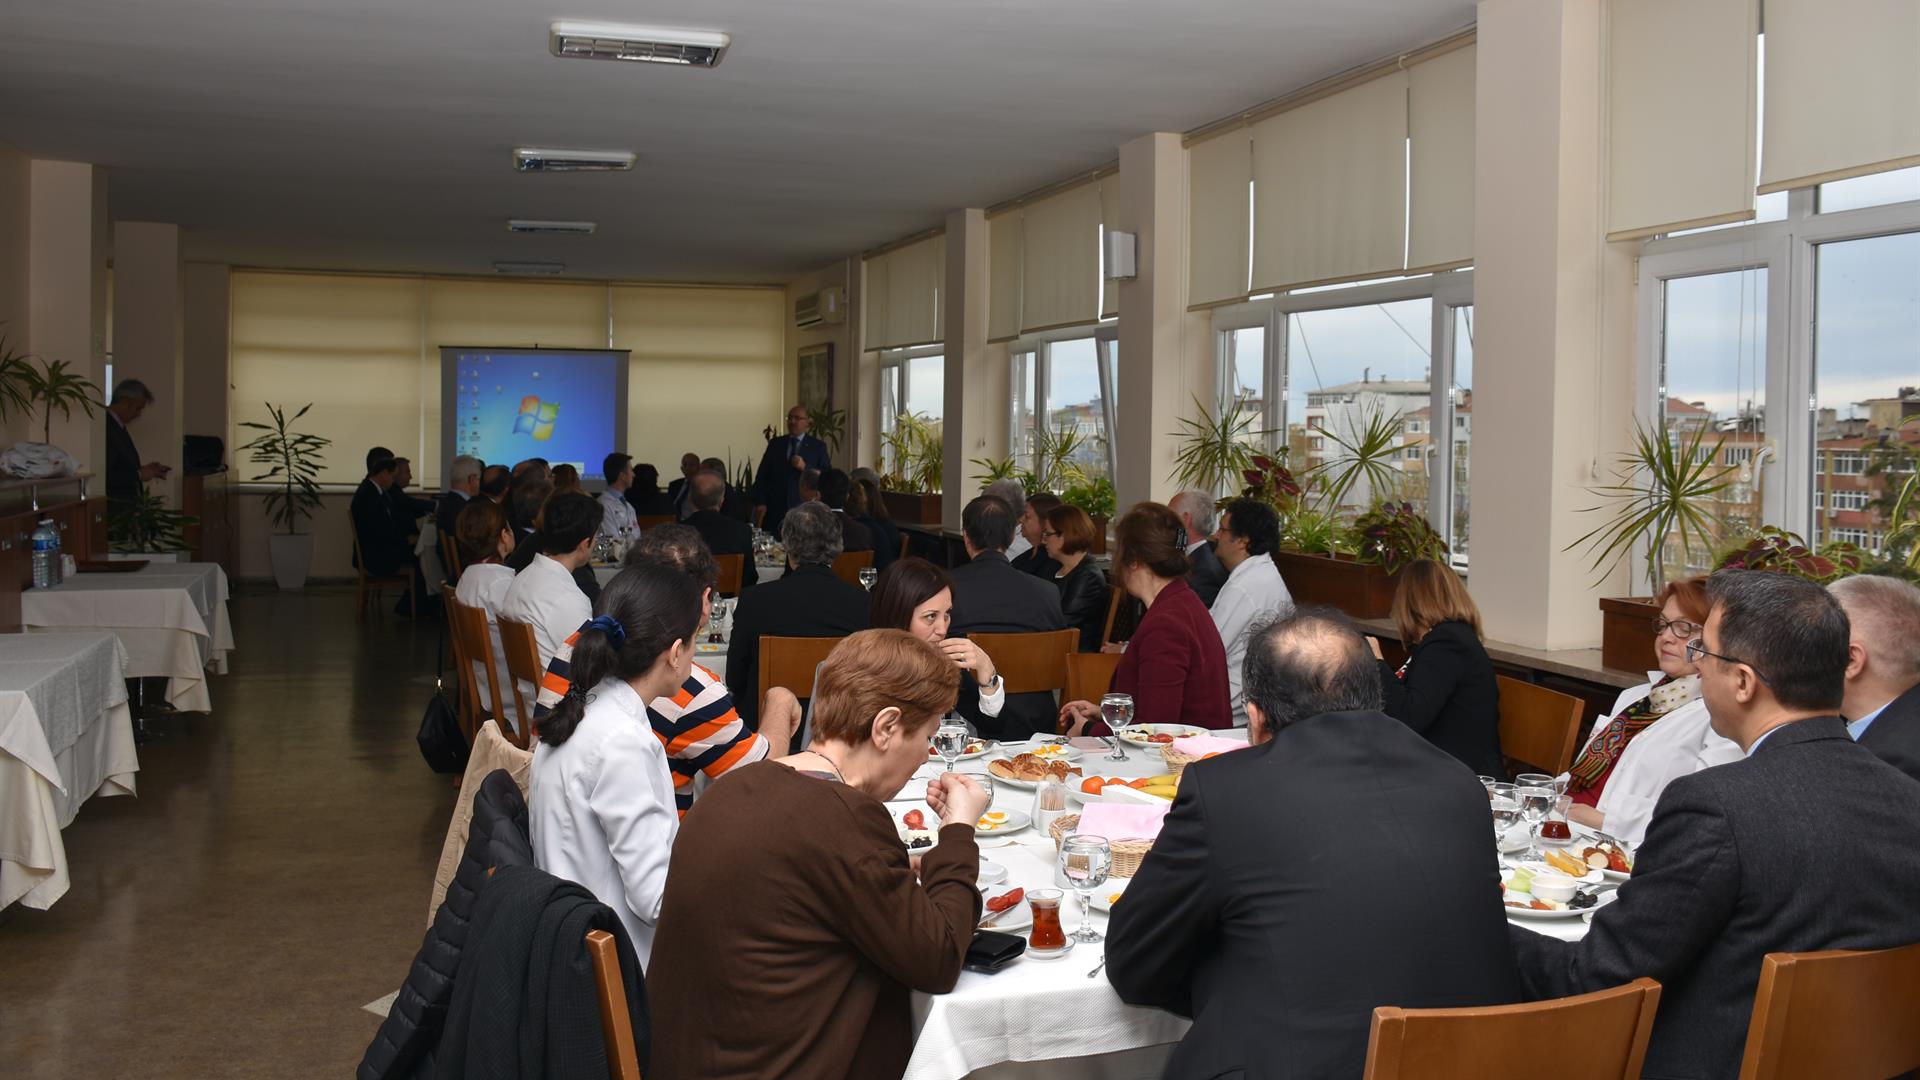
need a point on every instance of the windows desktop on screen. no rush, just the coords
(510, 405)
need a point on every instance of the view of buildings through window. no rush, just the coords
(1355, 373)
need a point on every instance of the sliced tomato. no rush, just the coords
(1002, 903)
(914, 819)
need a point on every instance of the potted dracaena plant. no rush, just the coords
(293, 462)
(43, 388)
(915, 453)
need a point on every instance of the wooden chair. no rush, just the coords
(1839, 1015)
(623, 1057)
(790, 662)
(648, 521)
(1089, 674)
(1030, 663)
(1115, 597)
(732, 569)
(1538, 727)
(848, 566)
(472, 634)
(469, 695)
(523, 665)
(906, 543)
(373, 583)
(450, 557)
(1505, 1040)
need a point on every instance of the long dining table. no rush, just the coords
(171, 618)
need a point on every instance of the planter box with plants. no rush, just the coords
(917, 453)
(1059, 467)
(293, 459)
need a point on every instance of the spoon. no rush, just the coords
(1098, 966)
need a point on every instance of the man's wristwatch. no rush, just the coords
(991, 685)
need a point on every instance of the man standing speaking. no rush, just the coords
(776, 487)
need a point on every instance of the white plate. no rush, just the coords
(989, 747)
(1103, 896)
(1592, 877)
(1016, 820)
(1014, 921)
(1072, 781)
(1569, 913)
(991, 873)
(1587, 839)
(1064, 751)
(1136, 734)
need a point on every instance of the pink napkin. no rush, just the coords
(1116, 822)
(1201, 745)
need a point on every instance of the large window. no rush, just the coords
(1063, 408)
(913, 384)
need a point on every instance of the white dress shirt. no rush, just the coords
(546, 595)
(618, 514)
(601, 813)
(1678, 744)
(485, 585)
(1253, 593)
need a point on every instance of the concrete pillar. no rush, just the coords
(67, 240)
(206, 319)
(969, 393)
(1553, 348)
(148, 287)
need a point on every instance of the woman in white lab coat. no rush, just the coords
(1655, 733)
(600, 796)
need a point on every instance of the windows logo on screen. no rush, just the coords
(536, 419)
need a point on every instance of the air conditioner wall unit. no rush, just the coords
(826, 307)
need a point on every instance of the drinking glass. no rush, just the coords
(1488, 782)
(950, 741)
(1047, 939)
(1117, 711)
(716, 625)
(1085, 862)
(1505, 804)
(1534, 779)
(868, 575)
(1535, 803)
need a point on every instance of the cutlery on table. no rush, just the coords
(1098, 966)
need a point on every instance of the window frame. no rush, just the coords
(896, 376)
(1038, 347)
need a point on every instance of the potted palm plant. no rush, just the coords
(1214, 449)
(293, 463)
(148, 528)
(917, 453)
(45, 387)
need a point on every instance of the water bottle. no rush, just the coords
(46, 555)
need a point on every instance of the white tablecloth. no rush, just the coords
(171, 617)
(603, 572)
(65, 735)
(1048, 1010)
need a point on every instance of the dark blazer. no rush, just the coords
(409, 509)
(383, 537)
(1175, 666)
(776, 484)
(1805, 845)
(886, 540)
(1037, 562)
(657, 504)
(990, 596)
(725, 536)
(853, 535)
(1208, 573)
(1278, 927)
(446, 511)
(123, 463)
(1083, 599)
(529, 546)
(809, 601)
(1449, 696)
(1895, 733)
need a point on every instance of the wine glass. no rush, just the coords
(1535, 779)
(1117, 711)
(1501, 798)
(722, 607)
(1085, 862)
(950, 740)
(868, 575)
(1535, 804)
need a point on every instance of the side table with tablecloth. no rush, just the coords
(171, 618)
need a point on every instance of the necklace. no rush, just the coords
(837, 774)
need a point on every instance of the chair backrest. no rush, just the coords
(462, 669)
(1089, 674)
(450, 555)
(732, 568)
(1115, 597)
(906, 542)
(1506, 1040)
(648, 521)
(623, 1057)
(523, 665)
(360, 558)
(1840, 1015)
(848, 566)
(790, 662)
(1538, 726)
(1033, 662)
(471, 631)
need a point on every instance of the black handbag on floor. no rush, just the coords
(441, 742)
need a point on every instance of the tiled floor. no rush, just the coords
(269, 881)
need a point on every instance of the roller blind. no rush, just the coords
(1330, 186)
(1003, 277)
(1440, 133)
(708, 370)
(1060, 260)
(873, 300)
(1843, 90)
(1109, 221)
(350, 346)
(916, 275)
(1680, 100)
(1218, 227)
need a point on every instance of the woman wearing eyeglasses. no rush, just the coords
(1655, 733)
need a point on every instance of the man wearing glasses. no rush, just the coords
(1806, 843)
(776, 487)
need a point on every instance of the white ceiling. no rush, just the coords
(376, 134)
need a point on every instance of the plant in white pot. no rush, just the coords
(293, 460)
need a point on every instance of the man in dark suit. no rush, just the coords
(776, 486)
(495, 482)
(1277, 926)
(808, 601)
(409, 508)
(1882, 701)
(386, 543)
(463, 483)
(724, 535)
(677, 492)
(735, 504)
(1196, 513)
(1806, 844)
(990, 596)
(834, 486)
(645, 495)
(125, 473)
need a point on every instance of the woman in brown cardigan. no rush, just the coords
(793, 927)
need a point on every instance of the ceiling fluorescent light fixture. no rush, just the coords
(645, 44)
(532, 159)
(528, 225)
(548, 268)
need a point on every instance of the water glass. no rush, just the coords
(1085, 862)
(1504, 801)
(1488, 782)
(868, 575)
(950, 741)
(1117, 711)
(1535, 803)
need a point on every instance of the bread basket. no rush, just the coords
(1126, 853)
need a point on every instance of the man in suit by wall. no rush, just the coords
(1277, 926)
(808, 601)
(990, 596)
(1882, 702)
(1195, 509)
(125, 473)
(776, 486)
(677, 490)
(834, 486)
(724, 535)
(409, 508)
(463, 483)
(1806, 844)
(386, 541)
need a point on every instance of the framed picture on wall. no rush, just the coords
(816, 376)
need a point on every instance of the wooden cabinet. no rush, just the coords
(82, 524)
(209, 497)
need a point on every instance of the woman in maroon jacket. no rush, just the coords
(1175, 666)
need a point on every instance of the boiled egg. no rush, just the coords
(998, 817)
